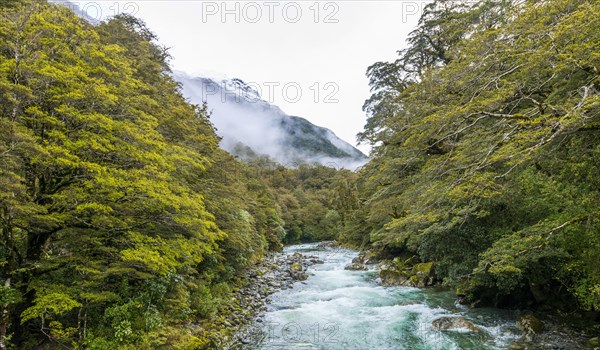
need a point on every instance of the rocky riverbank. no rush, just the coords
(229, 329)
(539, 330)
(396, 272)
(240, 323)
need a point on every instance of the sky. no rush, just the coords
(307, 57)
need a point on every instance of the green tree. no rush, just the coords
(469, 127)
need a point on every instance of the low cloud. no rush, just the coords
(242, 117)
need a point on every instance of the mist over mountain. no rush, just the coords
(250, 126)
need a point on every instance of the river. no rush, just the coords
(339, 309)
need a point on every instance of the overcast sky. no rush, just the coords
(307, 57)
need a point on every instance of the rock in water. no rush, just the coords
(454, 323)
(356, 267)
(297, 272)
(530, 326)
(422, 275)
(296, 267)
(371, 258)
(393, 278)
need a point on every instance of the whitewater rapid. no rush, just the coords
(340, 309)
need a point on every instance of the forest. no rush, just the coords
(124, 225)
(486, 134)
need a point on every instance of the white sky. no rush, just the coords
(270, 43)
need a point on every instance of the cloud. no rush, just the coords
(240, 115)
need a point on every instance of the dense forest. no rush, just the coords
(122, 221)
(486, 159)
(124, 225)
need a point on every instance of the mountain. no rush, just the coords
(250, 126)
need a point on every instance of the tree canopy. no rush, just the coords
(124, 225)
(486, 148)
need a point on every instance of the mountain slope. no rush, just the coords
(244, 120)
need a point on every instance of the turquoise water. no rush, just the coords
(340, 309)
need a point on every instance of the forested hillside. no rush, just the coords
(486, 160)
(123, 224)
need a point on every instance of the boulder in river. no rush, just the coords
(393, 278)
(296, 257)
(327, 244)
(420, 275)
(530, 326)
(297, 272)
(356, 267)
(454, 323)
(371, 258)
(296, 267)
(359, 259)
(366, 258)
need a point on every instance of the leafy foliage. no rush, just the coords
(121, 219)
(485, 160)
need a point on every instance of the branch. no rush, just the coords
(503, 116)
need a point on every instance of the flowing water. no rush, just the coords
(340, 309)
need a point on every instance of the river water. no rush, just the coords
(340, 309)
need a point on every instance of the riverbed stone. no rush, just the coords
(454, 323)
(424, 269)
(328, 244)
(299, 275)
(275, 272)
(356, 267)
(297, 272)
(422, 275)
(530, 326)
(419, 275)
(366, 258)
(528, 323)
(371, 258)
(296, 267)
(393, 278)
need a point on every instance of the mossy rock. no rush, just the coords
(530, 324)
(418, 281)
(414, 281)
(296, 267)
(425, 269)
(393, 278)
(300, 276)
(454, 323)
(356, 267)
(371, 258)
